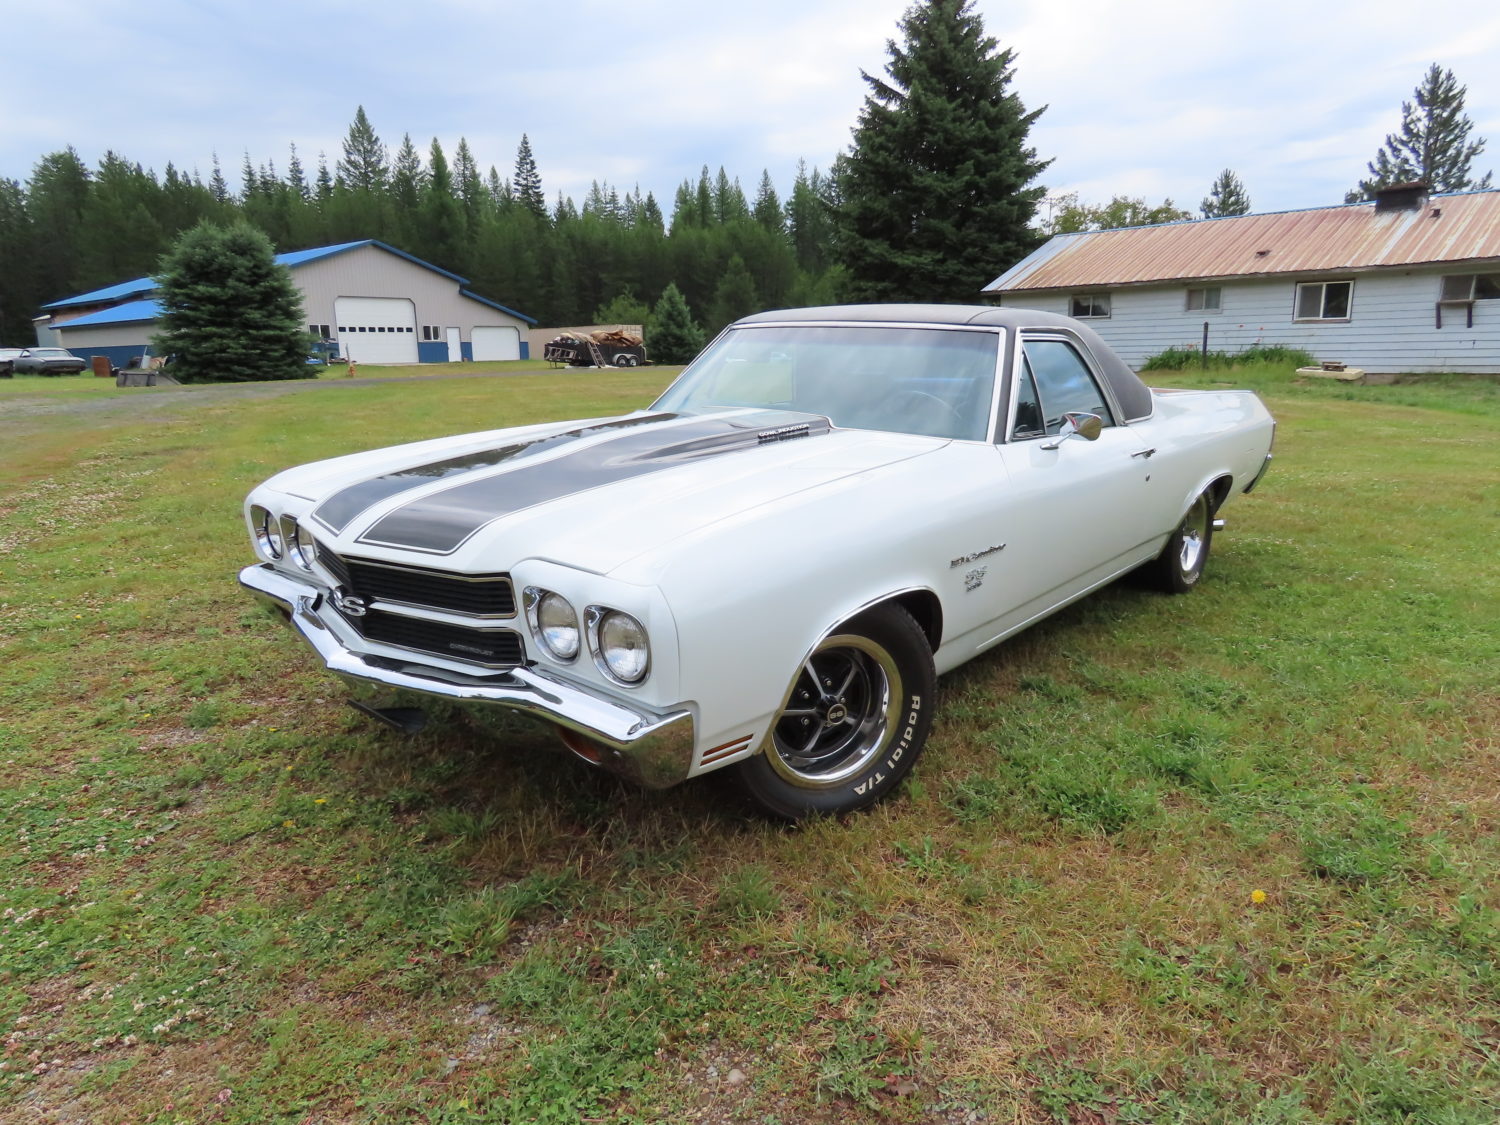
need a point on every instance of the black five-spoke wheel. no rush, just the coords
(854, 722)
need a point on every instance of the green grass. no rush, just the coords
(225, 896)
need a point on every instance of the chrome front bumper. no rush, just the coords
(654, 749)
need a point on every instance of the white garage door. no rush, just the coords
(497, 343)
(376, 329)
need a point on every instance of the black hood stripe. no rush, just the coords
(340, 509)
(441, 522)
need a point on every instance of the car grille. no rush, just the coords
(493, 648)
(485, 595)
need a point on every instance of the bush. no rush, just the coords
(230, 313)
(1181, 358)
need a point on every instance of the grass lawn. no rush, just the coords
(1222, 858)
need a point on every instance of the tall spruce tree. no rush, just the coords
(366, 165)
(767, 210)
(936, 190)
(1432, 145)
(527, 182)
(230, 314)
(1226, 197)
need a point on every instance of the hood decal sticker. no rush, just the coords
(440, 522)
(340, 509)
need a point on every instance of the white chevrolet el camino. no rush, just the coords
(767, 570)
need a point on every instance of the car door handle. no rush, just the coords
(1143, 452)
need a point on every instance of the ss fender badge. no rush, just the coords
(964, 560)
(975, 579)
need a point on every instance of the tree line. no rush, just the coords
(70, 229)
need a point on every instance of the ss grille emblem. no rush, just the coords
(350, 604)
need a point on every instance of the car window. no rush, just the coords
(912, 380)
(1062, 383)
(1028, 405)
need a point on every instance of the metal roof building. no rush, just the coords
(1407, 283)
(376, 303)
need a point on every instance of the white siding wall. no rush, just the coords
(80, 340)
(1391, 327)
(372, 272)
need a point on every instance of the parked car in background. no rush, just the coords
(8, 361)
(766, 570)
(47, 361)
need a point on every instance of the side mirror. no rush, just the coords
(1086, 426)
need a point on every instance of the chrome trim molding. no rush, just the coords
(1266, 464)
(654, 749)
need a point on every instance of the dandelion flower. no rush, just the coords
(289, 824)
(1257, 896)
(320, 800)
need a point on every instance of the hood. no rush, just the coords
(590, 495)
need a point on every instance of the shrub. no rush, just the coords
(1183, 357)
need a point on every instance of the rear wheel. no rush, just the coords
(853, 724)
(1180, 564)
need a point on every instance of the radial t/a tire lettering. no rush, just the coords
(853, 723)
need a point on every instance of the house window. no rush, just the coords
(321, 331)
(1207, 299)
(1089, 305)
(1324, 300)
(1471, 287)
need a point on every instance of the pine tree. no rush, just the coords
(1226, 197)
(671, 335)
(442, 229)
(55, 198)
(767, 206)
(325, 181)
(229, 312)
(734, 296)
(527, 182)
(217, 186)
(365, 166)
(936, 189)
(296, 178)
(18, 295)
(408, 178)
(1432, 146)
(468, 185)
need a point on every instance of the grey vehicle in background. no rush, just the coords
(47, 361)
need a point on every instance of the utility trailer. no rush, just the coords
(613, 348)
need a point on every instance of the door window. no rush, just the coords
(1054, 381)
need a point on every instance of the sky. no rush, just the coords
(1150, 98)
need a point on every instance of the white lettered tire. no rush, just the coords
(853, 724)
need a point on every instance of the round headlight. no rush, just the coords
(267, 532)
(298, 543)
(557, 625)
(623, 647)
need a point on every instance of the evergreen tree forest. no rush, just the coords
(71, 228)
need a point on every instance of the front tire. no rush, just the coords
(1180, 565)
(853, 724)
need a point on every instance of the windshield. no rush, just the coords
(933, 381)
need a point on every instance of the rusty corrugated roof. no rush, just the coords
(1447, 228)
